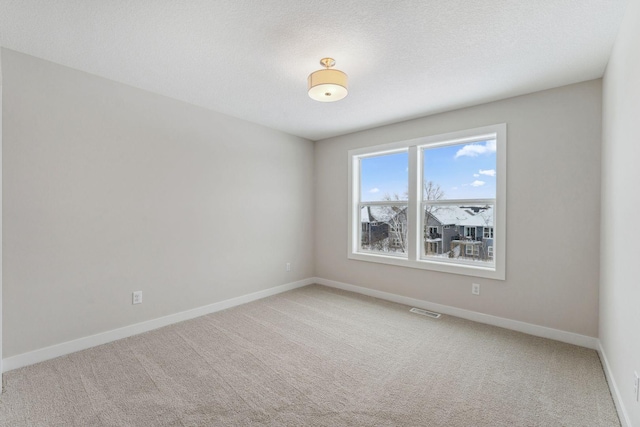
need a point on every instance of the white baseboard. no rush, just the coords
(615, 392)
(515, 325)
(57, 350)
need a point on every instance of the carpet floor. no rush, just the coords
(316, 356)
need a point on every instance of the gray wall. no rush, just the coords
(109, 189)
(553, 161)
(619, 280)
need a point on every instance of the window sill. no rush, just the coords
(443, 267)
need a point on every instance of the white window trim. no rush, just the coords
(413, 258)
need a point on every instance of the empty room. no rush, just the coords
(296, 213)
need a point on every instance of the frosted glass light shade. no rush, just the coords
(327, 85)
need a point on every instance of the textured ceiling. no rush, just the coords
(250, 58)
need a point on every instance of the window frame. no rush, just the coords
(414, 223)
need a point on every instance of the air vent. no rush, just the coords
(425, 312)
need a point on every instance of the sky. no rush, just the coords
(463, 171)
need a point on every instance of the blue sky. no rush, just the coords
(463, 171)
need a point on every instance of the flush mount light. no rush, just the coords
(327, 85)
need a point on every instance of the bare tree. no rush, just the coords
(397, 222)
(396, 216)
(432, 191)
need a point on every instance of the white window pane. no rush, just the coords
(383, 229)
(384, 177)
(462, 237)
(460, 171)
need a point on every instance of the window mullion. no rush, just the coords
(413, 205)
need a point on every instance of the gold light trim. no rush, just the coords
(327, 85)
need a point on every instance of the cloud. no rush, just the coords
(488, 172)
(374, 190)
(477, 183)
(475, 175)
(474, 150)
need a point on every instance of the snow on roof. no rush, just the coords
(378, 213)
(466, 215)
(470, 216)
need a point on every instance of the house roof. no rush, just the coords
(377, 214)
(464, 215)
(469, 216)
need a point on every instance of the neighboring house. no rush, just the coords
(383, 228)
(459, 231)
(449, 231)
(374, 231)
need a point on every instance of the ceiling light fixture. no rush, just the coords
(327, 85)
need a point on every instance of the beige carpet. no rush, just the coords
(320, 357)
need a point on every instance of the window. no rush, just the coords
(432, 247)
(383, 212)
(470, 232)
(435, 203)
(432, 231)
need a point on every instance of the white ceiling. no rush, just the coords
(251, 58)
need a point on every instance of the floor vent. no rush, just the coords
(425, 312)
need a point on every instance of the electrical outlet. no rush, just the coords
(636, 387)
(475, 288)
(288, 266)
(137, 297)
